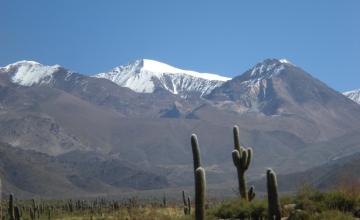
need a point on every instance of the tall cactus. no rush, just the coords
(200, 182)
(274, 207)
(200, 188)
(11, 207)
(242, 158)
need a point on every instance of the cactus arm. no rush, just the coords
(195, 151)
(236, 138)
(236, 157)
(249, 158)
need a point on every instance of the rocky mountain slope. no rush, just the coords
(337, 173)
(30, 173)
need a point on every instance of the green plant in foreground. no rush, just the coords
(274, 207)
(242, 158)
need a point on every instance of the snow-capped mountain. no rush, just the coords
(28, 73)
(353, 95)
(277, 87)
(147, 76)
(254, 86)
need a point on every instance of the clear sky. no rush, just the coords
(224, 37)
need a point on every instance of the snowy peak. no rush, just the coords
(147, 76)
(158, 67)
(353, 95)
(267, 69)
(28, 73)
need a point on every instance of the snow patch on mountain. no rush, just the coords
(158, 67)
(28, 73)
(353, 95)
(146, 76)
(266, 69)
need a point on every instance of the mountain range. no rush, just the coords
(102, 133)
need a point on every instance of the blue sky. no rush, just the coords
(224, 37)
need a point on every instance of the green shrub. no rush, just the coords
(241, 209)
(326, 215)
(299, 215)
(333, 215)
(340, 201)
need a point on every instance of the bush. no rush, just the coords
(326, 215)
(315, 201)
(340, 201)
(299, 215)
(241, 209)
(333, 215)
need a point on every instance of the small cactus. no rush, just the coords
(11, 207)
(187, 204)
(164, 201)
(274, 207)
(242, 158)
(17, 213)
(200, 188)
(32, 214)
(49, 214)
(251, 193)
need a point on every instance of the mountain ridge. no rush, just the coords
(146, 76)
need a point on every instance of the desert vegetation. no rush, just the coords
(307, 204)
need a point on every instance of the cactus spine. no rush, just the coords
(200, 185)
(242, 158)
(274, 207)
